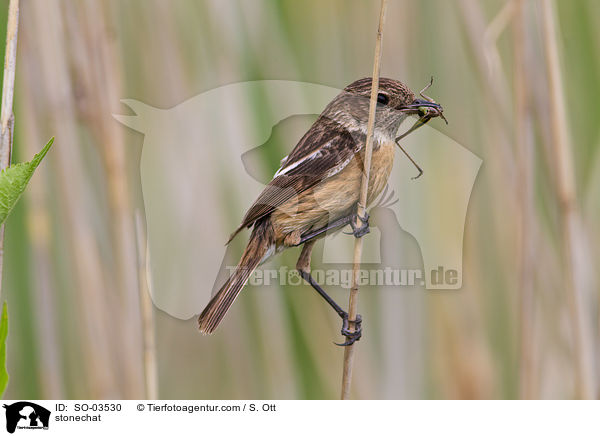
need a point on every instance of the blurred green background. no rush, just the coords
(525, 323)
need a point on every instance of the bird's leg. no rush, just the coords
(303, 267)
(357, 231)
(340, 222)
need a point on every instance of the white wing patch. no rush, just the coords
(380, 137)
(314, 155)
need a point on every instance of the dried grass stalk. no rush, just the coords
(353, 303)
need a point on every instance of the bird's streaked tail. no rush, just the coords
(260, 243)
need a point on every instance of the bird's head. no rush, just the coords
(395, 101)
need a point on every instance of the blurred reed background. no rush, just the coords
(519, 84)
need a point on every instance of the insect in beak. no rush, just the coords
(426, 109)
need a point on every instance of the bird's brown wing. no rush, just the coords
(322, 152)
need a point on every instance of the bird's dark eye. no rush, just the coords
(382, 98)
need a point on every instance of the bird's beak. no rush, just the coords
(425, 109)
(418, 107)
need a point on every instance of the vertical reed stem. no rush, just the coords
(525, 168)
(570, 219)
(353, 303)
(149, 341)
(8, 89)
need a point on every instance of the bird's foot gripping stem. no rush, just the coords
(351, 335)
(363, 229)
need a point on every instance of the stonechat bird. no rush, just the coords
(316, 189)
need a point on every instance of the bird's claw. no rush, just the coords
(363, 229)
(352, 336)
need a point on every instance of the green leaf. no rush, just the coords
(14, 179)
(3, 335)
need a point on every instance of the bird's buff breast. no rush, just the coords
(333, 197)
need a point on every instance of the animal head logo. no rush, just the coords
(25, 414)
(203, 164)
